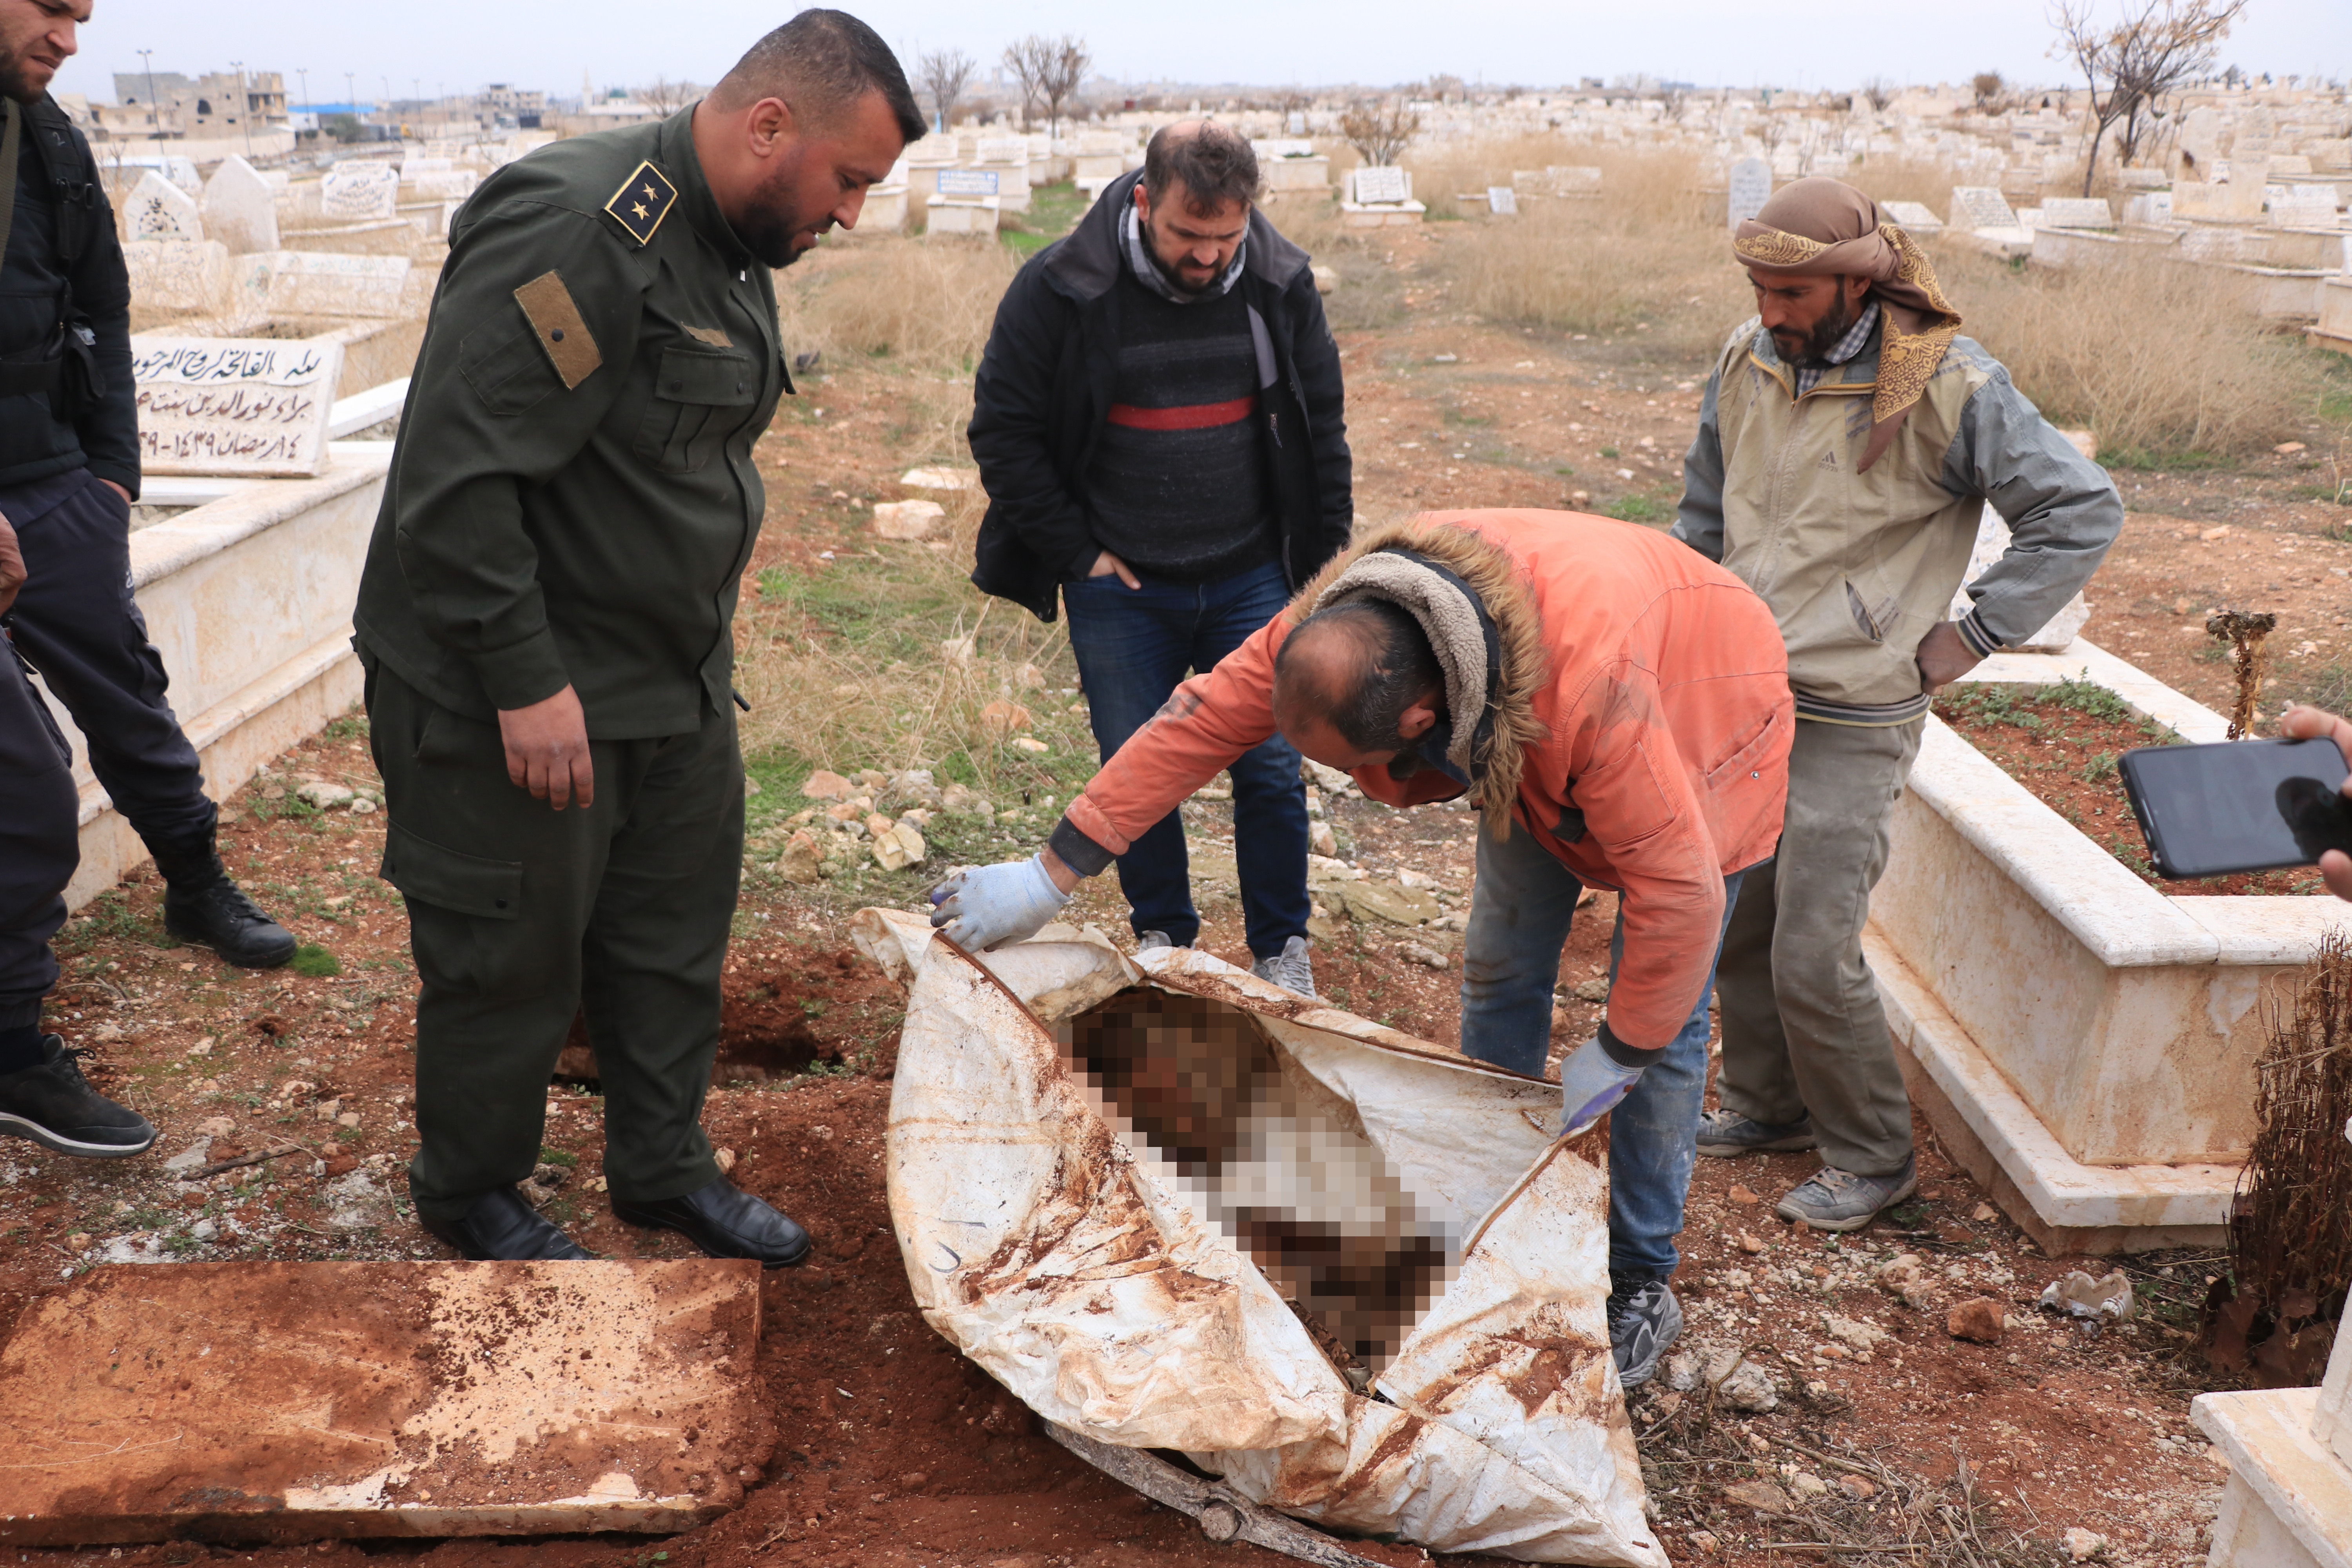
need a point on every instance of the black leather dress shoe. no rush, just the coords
(725, 1222)
(501, 1226)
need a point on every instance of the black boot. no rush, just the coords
(201, 905)
(54, 1106)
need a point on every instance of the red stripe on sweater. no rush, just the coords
(1192, 417)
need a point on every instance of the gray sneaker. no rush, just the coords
(1291, 968)
(1150, 940)
(1832, 1199)
(1640, 1328)
(1724, 1132)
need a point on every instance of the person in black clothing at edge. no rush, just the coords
(1158, 422)
(68, 473)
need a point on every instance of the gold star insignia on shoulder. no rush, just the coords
(644, 199)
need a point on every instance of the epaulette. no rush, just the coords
(644, 199)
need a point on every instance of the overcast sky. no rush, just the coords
(549, 44)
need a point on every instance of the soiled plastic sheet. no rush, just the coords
(1170, 1205)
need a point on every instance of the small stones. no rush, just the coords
(1979, 1319)
(1031, 744)
(2084, 1545)
(324, 795)
(899, 845)
(1761, 1495)
(2106, 1300)
(1805, 1484)
(1700, 1540)
(1860, 1338)
(1862, 1489)
(824, 784)
(1001, 718)
(802, 861)
(1593, 990)
(1750, 1243)
(907, 519)
(1741, 1193)
(1984, 1212)
(1321, 841)
(724, 1158)
(1428, 957)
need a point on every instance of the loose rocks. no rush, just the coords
(1978, 1319)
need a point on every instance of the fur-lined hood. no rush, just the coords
(1491, 573)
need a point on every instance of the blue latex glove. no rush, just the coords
(1591, 1085)
(982, 908)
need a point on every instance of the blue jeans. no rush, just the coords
(1520, 913)
(1134, 645)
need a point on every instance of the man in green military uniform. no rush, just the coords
(545, 624)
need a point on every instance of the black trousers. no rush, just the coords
(39, 845)
(77, 623)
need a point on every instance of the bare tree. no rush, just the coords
(1987, 86)
(1066, 69)
(2153, 48)
(944, 73)
(1379, 130)
(665, 97)
(1027, 60)
(1878, 92)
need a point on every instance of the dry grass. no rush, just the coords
(886, 659)
(2157, 357)
(920, 305)
(1642, 254)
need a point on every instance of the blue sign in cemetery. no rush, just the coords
(968, 181)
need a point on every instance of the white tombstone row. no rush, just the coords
(1001, 150)
(359, 192)
(156, 209)
(444, 184)
(1376, 184)
(234, 405)
(239, 208)
(180, 170)
(1914, 217)
(1750, 182)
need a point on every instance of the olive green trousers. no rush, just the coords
(1804, 1032)
(521, 916)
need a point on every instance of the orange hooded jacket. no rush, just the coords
(1643, 732)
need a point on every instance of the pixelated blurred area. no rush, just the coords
(1273, 1158)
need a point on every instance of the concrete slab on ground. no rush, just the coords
(290, 1402)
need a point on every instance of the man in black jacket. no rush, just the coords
(68, 473)
(1159, 424)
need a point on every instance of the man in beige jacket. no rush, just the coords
(1847, 441)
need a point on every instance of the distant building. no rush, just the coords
(168, 105)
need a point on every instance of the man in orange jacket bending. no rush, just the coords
(1617, 709)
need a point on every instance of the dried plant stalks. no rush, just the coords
(2291, 1230)
(2245, 632)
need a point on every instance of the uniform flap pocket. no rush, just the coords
(707, 375)
(446, 880)
(506, 368)
(1749, 756)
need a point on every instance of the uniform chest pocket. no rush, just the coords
(701, 397)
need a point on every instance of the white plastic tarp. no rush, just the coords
(1103, 1284)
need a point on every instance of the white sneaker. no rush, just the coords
(1291, 968)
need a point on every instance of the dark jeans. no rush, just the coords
(1520, 913)
(1134, 645)
(40, 843)
(77, 623)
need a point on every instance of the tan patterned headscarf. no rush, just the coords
(1822, 226)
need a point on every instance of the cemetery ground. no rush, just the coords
(872, 657)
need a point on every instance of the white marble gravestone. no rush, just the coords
(1502, 201)
(1982, 206)
(326, 283)
(178, 275)
(250, 406)
(156, 209)
(969, 182)
(444, 184)
(1376, 184)
(2077, 212)
(359, 192)
(1750, 188)
(1913, 217)
(239, 208)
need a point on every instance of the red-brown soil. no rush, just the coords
(2066, 756)
(899, 1451)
